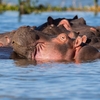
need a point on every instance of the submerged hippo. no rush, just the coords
(80, 27)
(38, 46)
(55, 22)
(6, 38)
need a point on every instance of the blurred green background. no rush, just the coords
(29, 6)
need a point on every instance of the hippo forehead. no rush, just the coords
(55, 30)
(24, 35)
(79, 21)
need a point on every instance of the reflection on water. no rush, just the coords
(19, 17)
(25, 62)
(51, 80)
(25, 80)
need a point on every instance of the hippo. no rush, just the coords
(55, 22)
(22, 41)
(6, 38)
(64, 48)
(43, 47)
(80, 28)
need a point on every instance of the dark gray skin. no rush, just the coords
(77, 22)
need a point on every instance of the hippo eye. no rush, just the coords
(37, 37)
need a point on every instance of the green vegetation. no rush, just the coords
(24, 7)
(5, 7)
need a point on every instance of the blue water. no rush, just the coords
(25, 80)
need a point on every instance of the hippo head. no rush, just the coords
(57, 48)
(38, 46)
(23, 40)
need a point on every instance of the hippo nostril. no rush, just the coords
(13, 42)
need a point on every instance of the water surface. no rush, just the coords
(25, 80)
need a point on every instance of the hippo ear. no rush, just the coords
(50, 20)
(75, 17)
(79, 40)
(93, 30)
(65, 23)
(84, 38)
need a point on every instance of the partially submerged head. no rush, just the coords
(36, 45)
(6, 38)
(23, 40)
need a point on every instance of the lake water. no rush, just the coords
(25, 80)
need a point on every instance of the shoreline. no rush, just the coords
(23, 9)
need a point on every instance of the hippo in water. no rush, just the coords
(38, 46)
